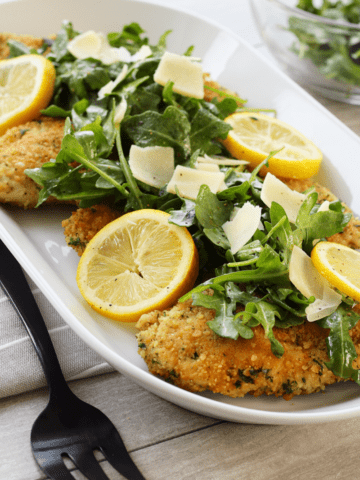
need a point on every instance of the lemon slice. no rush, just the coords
(255, 135)
(26, 87)
(138, 263)
(340, 265)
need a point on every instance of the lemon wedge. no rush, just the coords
(340, 265)
(26, 87)
(255, 136)
(138, 263)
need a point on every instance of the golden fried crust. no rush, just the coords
(84, 223)
(28, 40)
(210, 94)
(27, 146)
(179, 346)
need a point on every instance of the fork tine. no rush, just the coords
(53, 465)
(88, 465)
(116, 454)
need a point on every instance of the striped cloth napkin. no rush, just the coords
(20, 368)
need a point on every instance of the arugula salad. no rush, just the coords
(334, 49)
(92, 167)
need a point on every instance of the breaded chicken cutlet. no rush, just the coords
(27, 146)
(178, 345)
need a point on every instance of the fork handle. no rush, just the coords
(15, 285)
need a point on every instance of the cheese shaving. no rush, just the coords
(242, 227)
(274, 190)
(311, 283)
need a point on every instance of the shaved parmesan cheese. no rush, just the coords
(324, 207)
(95, 45)
(186, 75)
(87, 44)
(109, 87)
(242, 227)
(187, 181)
(311, 283)
(274, 190)
(304, 275)
(222, 161)
(152, 165)
(120, 111)
(209, 167)
(112, 55)
(144, 52)
(320, 309)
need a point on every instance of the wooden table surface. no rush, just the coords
(169, 443)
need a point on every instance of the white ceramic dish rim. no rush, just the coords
(13, 237)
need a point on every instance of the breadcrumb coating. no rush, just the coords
(178, 345)
(84, 223)
(28, 40)
(210, 94)
(27, 146)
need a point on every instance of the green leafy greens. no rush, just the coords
(91, 166)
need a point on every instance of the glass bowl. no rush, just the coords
(321, 54)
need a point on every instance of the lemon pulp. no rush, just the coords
(137, 263)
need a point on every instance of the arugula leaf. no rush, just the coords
(55, 111)
(170, 129)
(209, 210)
(135, 200)
(284, 234)
(185, 217)
(217, 236)
(265, 314)
(82, 76)
(269, 270)
(320, 224)
(66, 182)
(225, 107)
(17, 48)
(205, 129)
(341, 349)
(140, 100)
(59, 51)
(289, 299)
(224, 324)
(131, 37)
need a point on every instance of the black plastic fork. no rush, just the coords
(68, 426)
